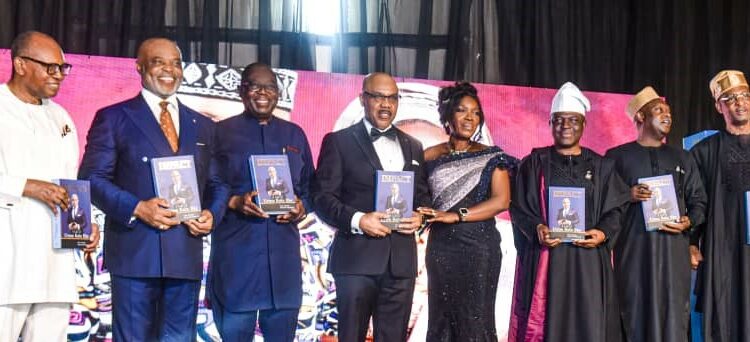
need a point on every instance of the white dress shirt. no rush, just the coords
(153, 103)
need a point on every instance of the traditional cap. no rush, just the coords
(725, 81)
(643, 97)
(570, 99)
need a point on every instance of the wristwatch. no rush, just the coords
(462, 213)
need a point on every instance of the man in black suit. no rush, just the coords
(180, 194)
(374, 269)
(395, 204)
(567, 217)
(275, 186)
(76, 217)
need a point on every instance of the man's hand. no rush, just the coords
(696, 258)
(48, 193)
(202, 225)
(409, 225)
(154, 213)
(676, 227)
(370, 224)
(93, 239)
(542, 233)
(595, 238)
(294, 215)
(639, 193)
(246, 205)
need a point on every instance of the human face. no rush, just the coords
(160, 66)
(176, 177)
(657, 119)
(271, 172)
(260, 93)
(734, 107)
(567, 128)
(380, 100)
(566, 203)
(33, 76)
(394, 189)
(74, 201)
(466, 118)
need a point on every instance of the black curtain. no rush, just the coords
(610, 46)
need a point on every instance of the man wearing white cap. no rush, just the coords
(723, 282)
(652, 268)
(566, 291)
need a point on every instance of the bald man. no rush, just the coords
(374, 268)
(155, 260)
(38, 144)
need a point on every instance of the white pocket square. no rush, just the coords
(200, 144)
(414, 162)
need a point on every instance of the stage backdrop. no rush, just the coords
(516, 120)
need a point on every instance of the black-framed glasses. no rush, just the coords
(257, 87)
(382, 98)
(734, 98)
(52, 68)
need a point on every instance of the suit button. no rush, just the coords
(145, 159)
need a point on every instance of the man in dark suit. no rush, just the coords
(255, 272)
(395, 204)
(567, 217)
(180, 195)
(374, 269)
(155, 261)
(275, 186)
(76, 217)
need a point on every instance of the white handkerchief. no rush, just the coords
(414, 162)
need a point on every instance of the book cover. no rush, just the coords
(273, 181)
(175, 181)
(662, 206)
(394, 195)
(72, 228)
(567, 213)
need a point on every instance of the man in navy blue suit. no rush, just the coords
(374, 268)
(155, 260)
(256, 270)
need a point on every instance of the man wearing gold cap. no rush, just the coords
(652, 267)
(723, 282)
(566, 291)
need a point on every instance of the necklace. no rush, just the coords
(454, 151)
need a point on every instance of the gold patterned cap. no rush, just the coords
(725, 81)
(640, 99)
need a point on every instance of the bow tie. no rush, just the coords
(375, 134)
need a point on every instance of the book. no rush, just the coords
(394, 195)
(273, 181)
(662, 206)
(567, 213)
(72, 227)
(175, 181)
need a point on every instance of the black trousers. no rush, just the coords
(383, 297)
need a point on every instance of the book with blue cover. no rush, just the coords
(273, 181)
(662, 206)
(567, 213)
(175, 180)
(72, 227)
(394, 195)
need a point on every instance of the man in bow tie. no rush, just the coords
(374, 269)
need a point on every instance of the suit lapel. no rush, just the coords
(188, 128)
(363, 140)
(405, 149)
(143, 118)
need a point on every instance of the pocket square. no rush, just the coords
(414, 162)
(200, 144)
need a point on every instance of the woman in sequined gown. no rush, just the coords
(470, 185)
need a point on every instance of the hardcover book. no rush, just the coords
(394, 195)
(72, 227)
(662, 206)
(273, 181)
(175, 181)
(567, 213)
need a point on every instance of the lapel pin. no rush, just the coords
(588, 175)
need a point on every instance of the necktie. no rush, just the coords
(167, 126)
(375, 134)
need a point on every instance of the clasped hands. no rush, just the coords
(594, 238)
(155, 212)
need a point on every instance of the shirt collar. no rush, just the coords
(153, 100)
(369, 126)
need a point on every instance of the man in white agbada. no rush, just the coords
(38, 143)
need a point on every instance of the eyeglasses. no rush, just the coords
(52, 68)
(734, 98)
(382, 98)
(573, 121)
(256, 87)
